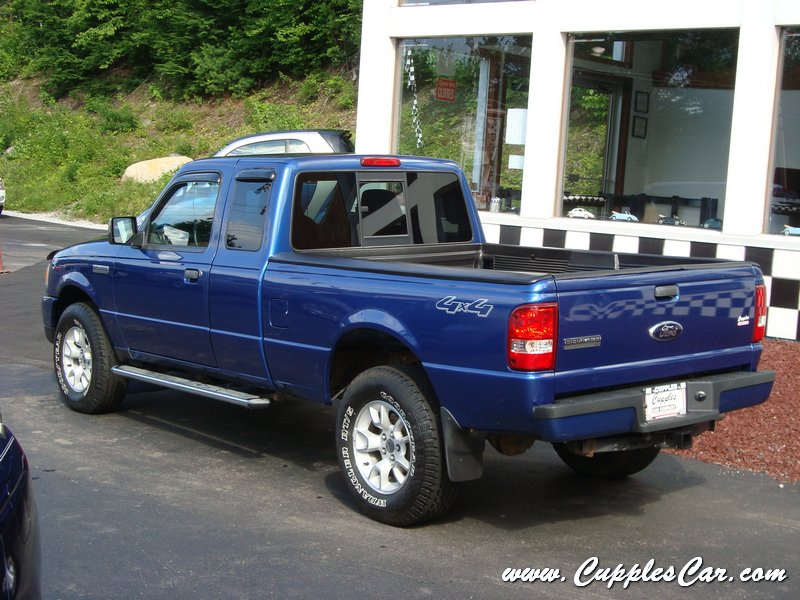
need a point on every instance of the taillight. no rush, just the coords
(760, 328)
(380, 161)
(532, 332)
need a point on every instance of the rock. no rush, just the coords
(152, 170)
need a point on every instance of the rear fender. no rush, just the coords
(379, 320)
(365, 339)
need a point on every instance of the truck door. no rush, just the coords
(161, 284)
(235, 301)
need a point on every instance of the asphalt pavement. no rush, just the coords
(176, 496)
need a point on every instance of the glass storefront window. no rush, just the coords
(466, 99)
(427, 2)
(649, 126)
(784, 206)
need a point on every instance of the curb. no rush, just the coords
(52, 218)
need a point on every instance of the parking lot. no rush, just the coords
(177, 496)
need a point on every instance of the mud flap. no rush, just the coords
(463, 450)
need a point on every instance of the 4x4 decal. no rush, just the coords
(451, 306)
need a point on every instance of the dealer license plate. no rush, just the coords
(664, 401)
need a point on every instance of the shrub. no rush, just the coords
(263, 116)
(309, 89)
(172, 118)
(184, 147)
(113, 119)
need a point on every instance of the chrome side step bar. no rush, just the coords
(192, 387)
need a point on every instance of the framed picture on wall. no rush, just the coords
(642, 102)
(639, 127)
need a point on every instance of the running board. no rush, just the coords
(192, 387)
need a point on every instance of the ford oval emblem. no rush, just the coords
(666, 331)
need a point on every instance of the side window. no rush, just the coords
(267, 147)
(185, 218)
(297, 146)
(323, 213)
(248, 215)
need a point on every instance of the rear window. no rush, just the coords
(344, 210)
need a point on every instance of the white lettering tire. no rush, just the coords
(389, 446)
(83, 358)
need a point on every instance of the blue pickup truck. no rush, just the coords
(367, 282)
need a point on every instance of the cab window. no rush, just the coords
(324, 214)
(248, 215)
(184, 219)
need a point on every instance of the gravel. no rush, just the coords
(766, 437)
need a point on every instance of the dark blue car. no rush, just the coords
(19, 530)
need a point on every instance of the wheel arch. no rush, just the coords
(361, 348)
(68, 294)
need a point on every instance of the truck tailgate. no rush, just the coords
(621, 328)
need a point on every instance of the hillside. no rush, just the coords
(67, 156)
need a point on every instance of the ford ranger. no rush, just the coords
(367, 282)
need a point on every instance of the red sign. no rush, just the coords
(446, 89)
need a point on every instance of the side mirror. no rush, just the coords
(121, 230)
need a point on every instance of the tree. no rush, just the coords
(187, 47)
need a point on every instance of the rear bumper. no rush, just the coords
(622, 411)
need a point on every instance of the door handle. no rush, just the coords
(667, 292)
(191, 275)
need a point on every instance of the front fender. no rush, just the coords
(73, 284)
(68, 288)
(78, 280)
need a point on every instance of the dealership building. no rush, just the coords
(662, 128)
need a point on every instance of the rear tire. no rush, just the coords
(83, 358)
(390, 449)
(608, 465)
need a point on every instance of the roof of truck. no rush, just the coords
(326, 161)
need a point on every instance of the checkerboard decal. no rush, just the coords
(781, 268)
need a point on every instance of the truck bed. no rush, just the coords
(521, 264)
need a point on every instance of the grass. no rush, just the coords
(68, 157)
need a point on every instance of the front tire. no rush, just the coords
(608, 465)
(390, 449)
(83, 358)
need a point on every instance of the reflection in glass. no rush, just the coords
(426, 2)
(649, 126)
(466, 99)
(784, 206)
